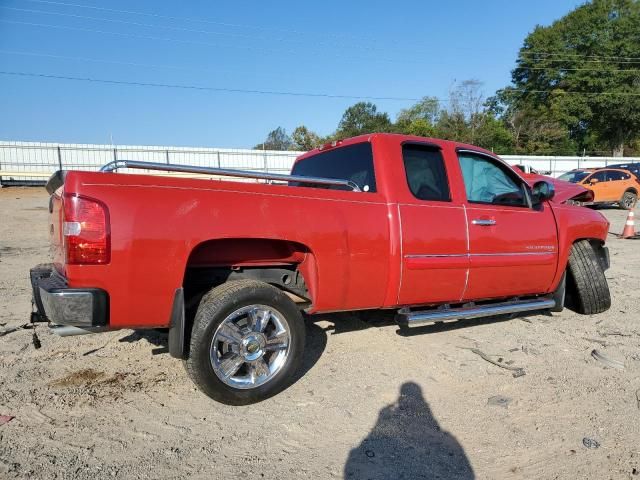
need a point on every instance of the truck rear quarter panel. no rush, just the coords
(157, 222)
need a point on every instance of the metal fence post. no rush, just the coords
(266, 165)
(115, 154)
(167, 154)
(218, 158)
(59, 158)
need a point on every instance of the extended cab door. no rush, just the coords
(433, 229)
(513, 247)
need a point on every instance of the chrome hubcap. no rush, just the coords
(250, 346)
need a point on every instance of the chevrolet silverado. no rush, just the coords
(434, 230)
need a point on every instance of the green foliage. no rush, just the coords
(361, 118)
(427, 109)
(304, 139)
(276, 140)
(493, 135)
(419, 127)
(419, 119)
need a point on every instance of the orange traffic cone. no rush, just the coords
(629, 230)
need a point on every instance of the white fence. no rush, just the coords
(33, 162)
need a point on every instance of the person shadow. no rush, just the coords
(408, 443)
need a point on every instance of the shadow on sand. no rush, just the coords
(408, 443)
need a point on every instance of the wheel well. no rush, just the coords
(632, 190)
(285, 264)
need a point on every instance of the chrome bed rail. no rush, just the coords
(170, 167)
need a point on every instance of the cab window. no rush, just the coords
(425, 171)
(488, 181)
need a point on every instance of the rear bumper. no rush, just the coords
(55, 302)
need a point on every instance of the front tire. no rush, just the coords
(587, 288)
(247, 342)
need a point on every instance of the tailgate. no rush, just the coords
(55, 187)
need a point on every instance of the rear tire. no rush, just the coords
(628, 201)
(247, 342)
(587, 288)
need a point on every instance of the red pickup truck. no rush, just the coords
(434, 229)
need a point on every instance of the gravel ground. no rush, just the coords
(371, 403)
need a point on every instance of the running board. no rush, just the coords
(417, 318)
(69, 330)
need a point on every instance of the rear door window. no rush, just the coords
(488, 181)
(353, 162)
(615, 175)
(426, 174)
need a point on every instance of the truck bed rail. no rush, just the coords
(170, 167)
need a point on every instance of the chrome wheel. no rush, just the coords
(250, 346)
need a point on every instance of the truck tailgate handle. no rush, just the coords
(483, 222)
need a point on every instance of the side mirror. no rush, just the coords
(542, 191)
(593, 181)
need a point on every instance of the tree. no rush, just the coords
(361, 118)
(453, 126)
(466, 110)
(582, 72)
(493, 135)
(533, 128)
(419, 119)
(304, 139)
(419, 127)
(467, 119)
(276, 140)
(427, 109)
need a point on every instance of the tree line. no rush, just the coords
(575, 90)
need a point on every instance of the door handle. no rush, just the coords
(483, 222)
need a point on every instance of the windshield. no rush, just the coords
(574, 177)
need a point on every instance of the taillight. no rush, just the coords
(86, 231)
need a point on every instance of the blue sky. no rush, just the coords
(405, 49)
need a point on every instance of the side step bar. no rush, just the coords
(69, 330)
(417, 318)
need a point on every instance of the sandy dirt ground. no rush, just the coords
(372, 402)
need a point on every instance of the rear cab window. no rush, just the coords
(487, 181)
(426, 173)
(352, 162)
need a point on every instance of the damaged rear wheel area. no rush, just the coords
(587, 289)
